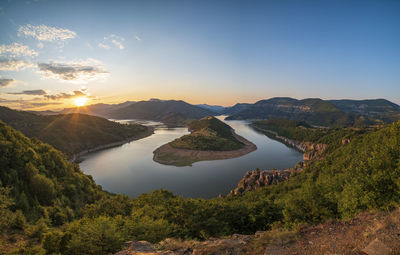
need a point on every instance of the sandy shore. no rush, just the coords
(168, 155)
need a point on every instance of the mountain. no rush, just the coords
(72, 133)
(101, 109)
(236, 108)
(170, 112)
(375, 108)
(312, 110)
(214, 108)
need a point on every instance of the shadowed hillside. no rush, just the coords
(170, 112)
(72, 133)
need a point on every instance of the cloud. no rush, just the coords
(27, 104)
(112, 39)
(104, 46)
(46, 33)
(138, 38)
(74, 71)
(6, 82)
(17, 50)
(14, 64)
(37, 92)
(76, 93)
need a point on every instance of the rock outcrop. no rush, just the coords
(369, 233)
(313, 151)
(256, 178)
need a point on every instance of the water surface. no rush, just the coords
(130, 169)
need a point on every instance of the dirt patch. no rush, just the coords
(168, 155)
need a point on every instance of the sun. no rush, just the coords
(80, 101)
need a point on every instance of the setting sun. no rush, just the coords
(80, 101)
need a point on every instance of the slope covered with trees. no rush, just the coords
(315, 111)
(72, 133)
(208, 133)
(37, 180)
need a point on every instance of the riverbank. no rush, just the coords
(300, 146)
(168, 155)
(77, 158)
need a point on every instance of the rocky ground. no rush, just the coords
(368, 234)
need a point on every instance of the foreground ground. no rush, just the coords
(368, 233)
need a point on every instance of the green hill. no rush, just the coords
(36, 182)
(374, 108)
(72, 133)
(206, 134)
(40, 179)
(313, 110)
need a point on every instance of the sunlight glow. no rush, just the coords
(80, 101)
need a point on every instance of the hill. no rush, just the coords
(102, 110)
(375, 108)
(313, 110)
(40, 180)
(362, 175)
(73, 133)
(209, 139)
(214, 108)
(170, 112)
(236, 108)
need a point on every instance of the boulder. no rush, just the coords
(377, 247)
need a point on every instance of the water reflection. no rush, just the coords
(130, 169)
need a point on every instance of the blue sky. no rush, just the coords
(215, 52)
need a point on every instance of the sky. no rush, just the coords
(213, 52)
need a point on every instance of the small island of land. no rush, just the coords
(210, 139)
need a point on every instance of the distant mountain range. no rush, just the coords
(214, 108)
(318, 112)
(170, 112)
(313, 110)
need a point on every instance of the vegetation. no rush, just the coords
(208, 133)
(303, 132)
(315, 111)
(74, 216)
(72, 133)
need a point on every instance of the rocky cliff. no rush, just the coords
(255, 178)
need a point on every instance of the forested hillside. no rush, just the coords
(72, 133)
(361, 175)
(315, 111)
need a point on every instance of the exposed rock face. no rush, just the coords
(138, 247)
(256, 178)
(313, 151)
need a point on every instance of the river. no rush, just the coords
(129, 169)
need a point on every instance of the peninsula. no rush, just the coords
(210, 139)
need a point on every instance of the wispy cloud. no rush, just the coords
(74, 94)
(138, 38)
(14, 64)
(74, 71)
(27, 104)
(17, 50)
(36, 92)
(46, 33)
(104, 46)
(6, 82)
(110, 40)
